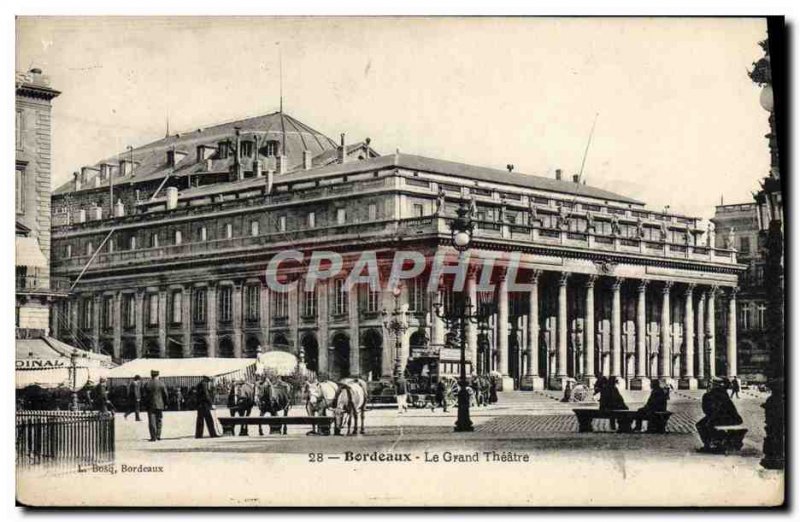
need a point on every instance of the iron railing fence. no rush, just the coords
(64, 439)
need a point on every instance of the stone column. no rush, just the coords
(532, 380)
(266, 315)
(237, 319)
(117, 314)
(588, 328)
(211, 317)
(472, 328)
(186, 320)
(322, 321)
(616, 328)
(711, 333)
(641, 381)
(162, 323)
(731, 355)
(559, 382)
(438, 326)
(700, 328)
(139, 329)
(665, 350)
(294, 317)
(355, 337)
(688, 380)
(502, 332)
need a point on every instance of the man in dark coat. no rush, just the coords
(439, 398)
(134, 397)
(719, 410)
(205, 403)
(611, 399)
(101, 396)
(157, 400)
(657, 401)
(735, 387)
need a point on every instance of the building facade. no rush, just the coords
(35, 288)
(737, 227)
(173, 241)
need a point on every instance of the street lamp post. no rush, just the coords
(460, 313)
(396, 324)
(73, 359)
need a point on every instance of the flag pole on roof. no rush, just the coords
(583, 161)
(280, 93)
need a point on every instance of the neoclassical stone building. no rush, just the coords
(174, 238)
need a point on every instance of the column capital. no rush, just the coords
(502, 273)
(713, 291)
(690, 289)
(562, 278)
(616, 283)
(642, 285)
(472, 271)
(733, 291)
(665, 289)
(590, 281)
(534, 276)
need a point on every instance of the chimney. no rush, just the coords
(77, 176)
(79, 216)
(306, 159)
(96, 213)
(343, 148)
(209, 164)
(172, 198)
(558, 174)
(270, 179)
(119, 209)
(257, 167)
(510, 167)
(576, 178)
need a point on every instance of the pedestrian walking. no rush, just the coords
(205, 403)
(157, 400)
(439, 398)
(134, 397)
(101, 397)
(492, 389)
(401, 392)
(735, 387)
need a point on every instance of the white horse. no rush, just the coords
(318, 397)
(350, 401)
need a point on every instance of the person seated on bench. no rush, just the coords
(611, 399)
(719, 410)
(656, 402)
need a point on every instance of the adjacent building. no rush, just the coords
(35, 288)
(737, 227)
(169, 244)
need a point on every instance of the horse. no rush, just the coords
(350, 400)
(241, 399)
(318, 397)
(273, 399)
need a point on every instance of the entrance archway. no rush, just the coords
(200, 348)
(174, 349)
(251, 346)
(311, 351)
(226, 347)
(152, 351)
(280, 342)
(339, 366)
(371, 355)
(128, 350)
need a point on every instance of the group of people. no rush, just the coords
(440, 395)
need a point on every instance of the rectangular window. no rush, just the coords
(744, 317)
(199, 305)
(68, 252)
(106, 313)
(19, 123)
(132, 243)
(761, 312)
(340, 297)
(744, 245)
(312, 220)
(252, 302)
(372, 211)
(203, 234)
(280, 305)
(310, 303)
(86, 314)
(254, 228)
(178, 237)
(228, 231)
(416, 295)
(225, 304)
(341, 216)
(419, 210)
(154, 240)
(371, 299)
(152, 309)
(177, 306)
(129, 310)
(20, 190)
(282, 223)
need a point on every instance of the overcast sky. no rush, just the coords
(679, 121)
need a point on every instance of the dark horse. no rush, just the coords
(273, 399)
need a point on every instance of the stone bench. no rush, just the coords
(276, 423)
(726, 438)
(656, 421)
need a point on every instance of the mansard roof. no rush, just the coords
(150, 160)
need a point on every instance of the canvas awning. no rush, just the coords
(46, 362)
(29, 254)
(184, 372)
